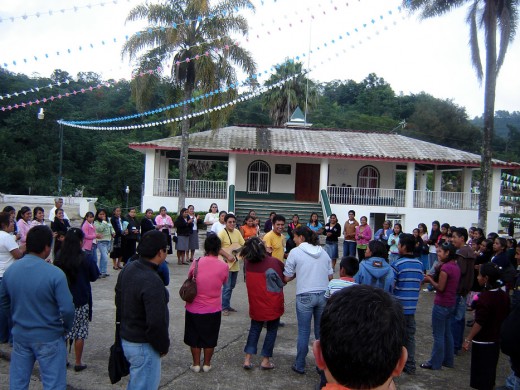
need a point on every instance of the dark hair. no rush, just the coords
(190, 205)
(151, 243)
(36, 209)
(494, 273)
(502, 241)
(87, 215)
(309, 236)
(450, 248)
(182, 212)
(114, 210)
(425, 229)
(492, 235)
(58, 209)
(253, 250)
(445, 225)
(211, 205)
(513, 242)
(162, 208)
(461, 232)
(222, 212)
(8, 209)
(146, 211)
(489, 245)
(212, 245)
(480, 232)
(71, 256)
(21, 212)
(277, 218)
(248, 217)
(407, 241)
(38, 238)
(97, 218)
(317, 219)
(131, 208)
(350, 264)
(351, 211)
(378, 249)
(229, 215)
(5, 219)
(271, 213)
(400, 228)
(362, 313)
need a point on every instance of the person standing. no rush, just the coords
(107, 233)
(37, 295)
(147, 223)
(312, 268)
(274, 240)
(90, 236)
(193, 242)
(23, 222)
(466, 261)
(266, 300)
(58, 204)
(131, 239)
(349, 233)
(142, 309)
(218, 226)
(119, 233)
(332, 232)
(164, 223)
(408, 278)
(231, 239)
(363, 236)
(211, 217)
(80, 269)
(268, 225)
(184, 226)
(375, 270)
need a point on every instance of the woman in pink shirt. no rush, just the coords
(203, 315)
(363, 237)
(163, 223)
(90, 236)
(23, 223)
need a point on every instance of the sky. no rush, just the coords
(411, 55)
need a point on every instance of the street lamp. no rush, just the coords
(41, 116)
(127, 190)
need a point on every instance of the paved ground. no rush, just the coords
(227, 370)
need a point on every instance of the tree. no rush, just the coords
(185, 33)
(282, 101)
(491, 15)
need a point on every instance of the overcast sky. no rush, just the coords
(413, 56)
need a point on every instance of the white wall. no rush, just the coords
(341, 171)
(155, 202)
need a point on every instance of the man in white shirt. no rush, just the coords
(58, 204)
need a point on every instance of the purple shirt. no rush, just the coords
(448, 297)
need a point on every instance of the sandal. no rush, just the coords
(269, 367)
(248, 366)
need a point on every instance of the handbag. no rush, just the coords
(118, 366)
(188, 290)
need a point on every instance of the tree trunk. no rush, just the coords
(489, 111)
(185, 142)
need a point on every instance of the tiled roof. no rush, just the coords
(314, 143)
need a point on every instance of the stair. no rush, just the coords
(285, 208)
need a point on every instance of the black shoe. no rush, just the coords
(297, 371)
(281, 324)
(426, 366)
(79, 368)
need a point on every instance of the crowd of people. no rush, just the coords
(471, 274)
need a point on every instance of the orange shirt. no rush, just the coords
(248, 232)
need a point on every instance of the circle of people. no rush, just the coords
(468, 272)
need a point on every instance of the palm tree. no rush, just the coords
(281, 102)
(192, 29)
(491, 15)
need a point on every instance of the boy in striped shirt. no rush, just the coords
(348, 267)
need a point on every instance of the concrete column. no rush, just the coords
(466, 188)
(422, 177)
(149, 172)
(494, 191)
(437, 180)
(232, 170)
(410, 183)
(324, 174)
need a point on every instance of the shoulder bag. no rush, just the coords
(188, 290)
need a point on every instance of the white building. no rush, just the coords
(346, 169)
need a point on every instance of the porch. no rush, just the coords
(355, 196)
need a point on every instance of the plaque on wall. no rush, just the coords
(282, 169)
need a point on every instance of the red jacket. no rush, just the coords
(264, 281)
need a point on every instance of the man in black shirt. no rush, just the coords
(142, 310)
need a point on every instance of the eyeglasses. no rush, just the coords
(233, 222)
(214, 207)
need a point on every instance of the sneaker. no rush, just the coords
(225, 312)
(195, 368)
(232, 310)
(206, 368)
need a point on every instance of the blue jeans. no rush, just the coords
(254, 334)
(442, 351)
(392, 257)
(52, 358)
(6, 324)
(432, 258)
(458, 322)
(308, 305)
(425, 261)
(409, 342)
(227, 289)
(349, 248)
(145, 366)
(512, 381)
(103, 247)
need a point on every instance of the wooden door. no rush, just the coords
(307, 187)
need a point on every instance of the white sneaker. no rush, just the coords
(195, 368)
(206, 368)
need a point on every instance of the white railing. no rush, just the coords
(366, 196)
(445, 200)
(194, 188)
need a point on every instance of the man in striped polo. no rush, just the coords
(408, 277)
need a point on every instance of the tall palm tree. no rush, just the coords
(492, 16)
(181, 29)
(282, 101)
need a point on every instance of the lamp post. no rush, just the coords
(41, 116)
(127, 190)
